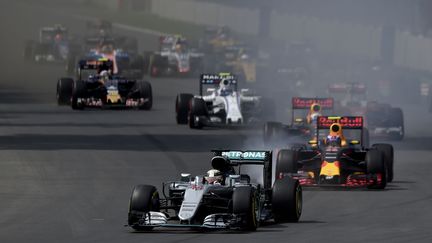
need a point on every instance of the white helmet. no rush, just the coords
(213, 176)
(104, 75)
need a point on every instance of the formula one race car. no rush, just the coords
(227, 197)
(98, 29)
(383, 120)
(175, 57)
(53, 45)
(304, 114)
(333, 160)
(96, 87)
(222, 105)
(126, 64)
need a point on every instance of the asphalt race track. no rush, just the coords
(66, 176)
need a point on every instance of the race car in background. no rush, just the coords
(222, 104)
(174, 58)
(382, 120)
(217, 39)
(338, 158)
(98, 29)
(97, 87)
(239, 197)
(126, 64)
(53, 45)
(304, 112)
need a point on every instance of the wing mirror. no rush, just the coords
(211, 90)
(354, 142)
(313, 142)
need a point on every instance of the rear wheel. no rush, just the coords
(286, 162)
(376, 165)
(182, 108)
(388, 153)
(64, 91)
(145, 92)
(198, 109)
(246, 205)
(287, 200)
(144, 199)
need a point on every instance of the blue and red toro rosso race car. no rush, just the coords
(339, 158)
(96, 86)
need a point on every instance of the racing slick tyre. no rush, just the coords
(397, 120)
(246, 205)
(78, 92)
(286, 162)
(388, 153)
(271, 130)
(375, 165)
(144, 199)
(182, 107)
(287, 200)
(198, 109)
(145, 92)
(64, 91)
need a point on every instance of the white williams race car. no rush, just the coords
(222, 104)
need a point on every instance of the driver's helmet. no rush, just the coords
(314, 112)
(214, 176)
(225, 87)
(58, 37)
(178, 47)
(335, 137)
(104, 76)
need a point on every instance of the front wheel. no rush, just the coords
(144, 199)
(145, 92)
(78, 92)
(246, 205)
(375, 165)
(287, 200)
(198, 109)
(182, 108)
(64, 91)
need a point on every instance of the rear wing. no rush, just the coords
(300, 103)
(215, 79)
(244, 157)
(346, 122)
(250, 157)
(92, 64)
(95, 64)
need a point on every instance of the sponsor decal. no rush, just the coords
(305, 103)
(248, 155)
(347, 122)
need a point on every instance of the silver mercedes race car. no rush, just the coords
(222, 104)
(237, 193)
